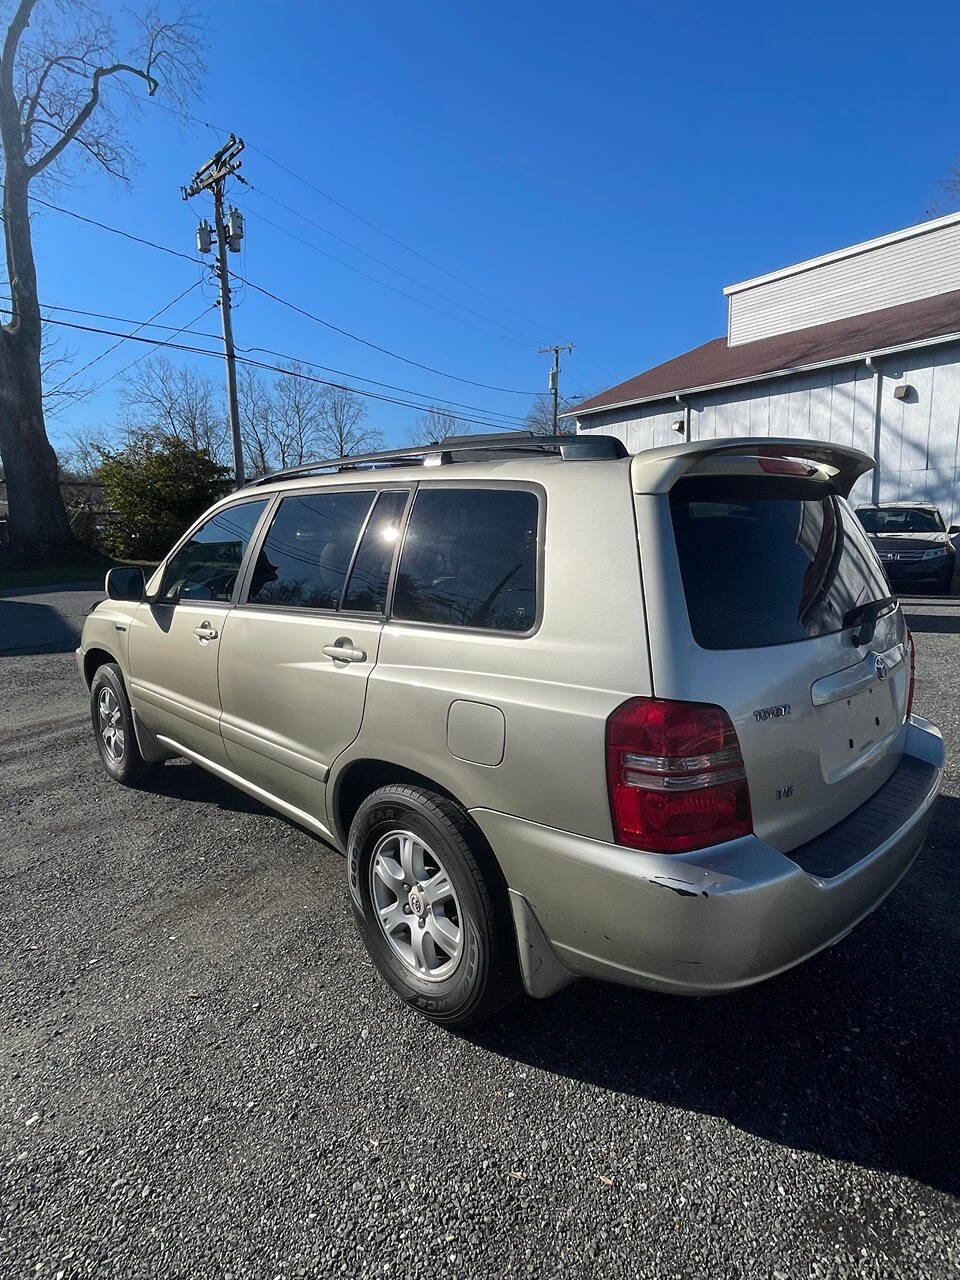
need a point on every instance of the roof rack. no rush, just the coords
(473, 448)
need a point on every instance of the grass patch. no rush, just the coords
(25, 569)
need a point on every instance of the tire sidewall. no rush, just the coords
(451, 997)
(124, 769)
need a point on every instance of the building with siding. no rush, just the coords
(861, 346)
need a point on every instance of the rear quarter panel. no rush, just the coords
(555, 687)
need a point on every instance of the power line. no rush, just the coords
(142, 325)
(524, 338)
(382, 283)
(258, 364)
(175, 330)
(291, 305)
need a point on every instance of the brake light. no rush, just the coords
(912, 651)
(675, 776)
(785, 467)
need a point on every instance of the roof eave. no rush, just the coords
(873, 353)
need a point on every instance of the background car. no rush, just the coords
(912, 542)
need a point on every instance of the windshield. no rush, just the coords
(769, 561)
(900, 520)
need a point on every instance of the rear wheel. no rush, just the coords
(431, 905)
(113, 727)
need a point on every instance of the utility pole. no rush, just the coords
(229, 233)
(554, 382)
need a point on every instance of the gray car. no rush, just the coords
(566, 712)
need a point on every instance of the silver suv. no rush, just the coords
(566, 712)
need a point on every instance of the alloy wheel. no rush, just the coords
(416, 906)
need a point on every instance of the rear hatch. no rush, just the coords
(773, 605)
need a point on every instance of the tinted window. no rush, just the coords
(367, 589)
(306, 554)
(900, 520)
(206, 567)
(769, 561)
(469, 559)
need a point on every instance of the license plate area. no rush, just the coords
(854, 729)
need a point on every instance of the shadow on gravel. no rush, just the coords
(853, 1055)
(27, 628)
(937, 623)
(183, 780)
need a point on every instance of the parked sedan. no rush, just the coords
(912, 542)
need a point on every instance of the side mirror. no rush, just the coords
(954, 528)
(125, 582)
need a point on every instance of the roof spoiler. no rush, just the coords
(658, 470)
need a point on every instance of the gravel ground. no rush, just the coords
(203, 1076)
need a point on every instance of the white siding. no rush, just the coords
(919, 437)
(918, 265)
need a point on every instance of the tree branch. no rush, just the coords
(87, 110)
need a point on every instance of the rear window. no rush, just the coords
(769, 560)
(900, 520)
(469, 559)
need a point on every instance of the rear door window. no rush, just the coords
(769, 560)
(305, 556)
(469, 559)
(367, 589)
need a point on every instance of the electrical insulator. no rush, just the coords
(204, 237)
(234, 230)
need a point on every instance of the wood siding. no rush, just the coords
(919, 437)
(904, 270)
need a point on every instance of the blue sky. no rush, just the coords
(602, 170)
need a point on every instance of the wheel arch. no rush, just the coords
(361, 777)
(95, 658)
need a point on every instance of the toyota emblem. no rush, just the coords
(881, 669)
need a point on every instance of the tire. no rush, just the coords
(945, 582)
(113, 731)
(451, 955)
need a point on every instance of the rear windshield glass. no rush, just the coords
(769, 560)
(900, 520)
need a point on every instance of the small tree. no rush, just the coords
(154, 488)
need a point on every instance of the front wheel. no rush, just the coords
(431, 905)
(113, 727)
(945, 582)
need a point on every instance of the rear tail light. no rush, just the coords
(912, 653)
(675, 776)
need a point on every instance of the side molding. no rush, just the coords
(543, 974)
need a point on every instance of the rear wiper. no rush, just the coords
(866, 616)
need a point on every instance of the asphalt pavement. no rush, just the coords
(202, 1075)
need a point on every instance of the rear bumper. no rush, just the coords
(707, 922)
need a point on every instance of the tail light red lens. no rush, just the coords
(912, 652)
(675, 776)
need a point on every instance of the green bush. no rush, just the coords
(153, 489)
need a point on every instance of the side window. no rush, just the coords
(305, 556)
(206, 567)
(367, 589)
(469, 559)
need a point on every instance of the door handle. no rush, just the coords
(343, 651)
(205, 632)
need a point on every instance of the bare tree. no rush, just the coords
(540, 417)
(341, 430)
(300, 417)
(163, 398)
(51, 110)
(434, 425)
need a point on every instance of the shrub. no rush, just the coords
(153, 489)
